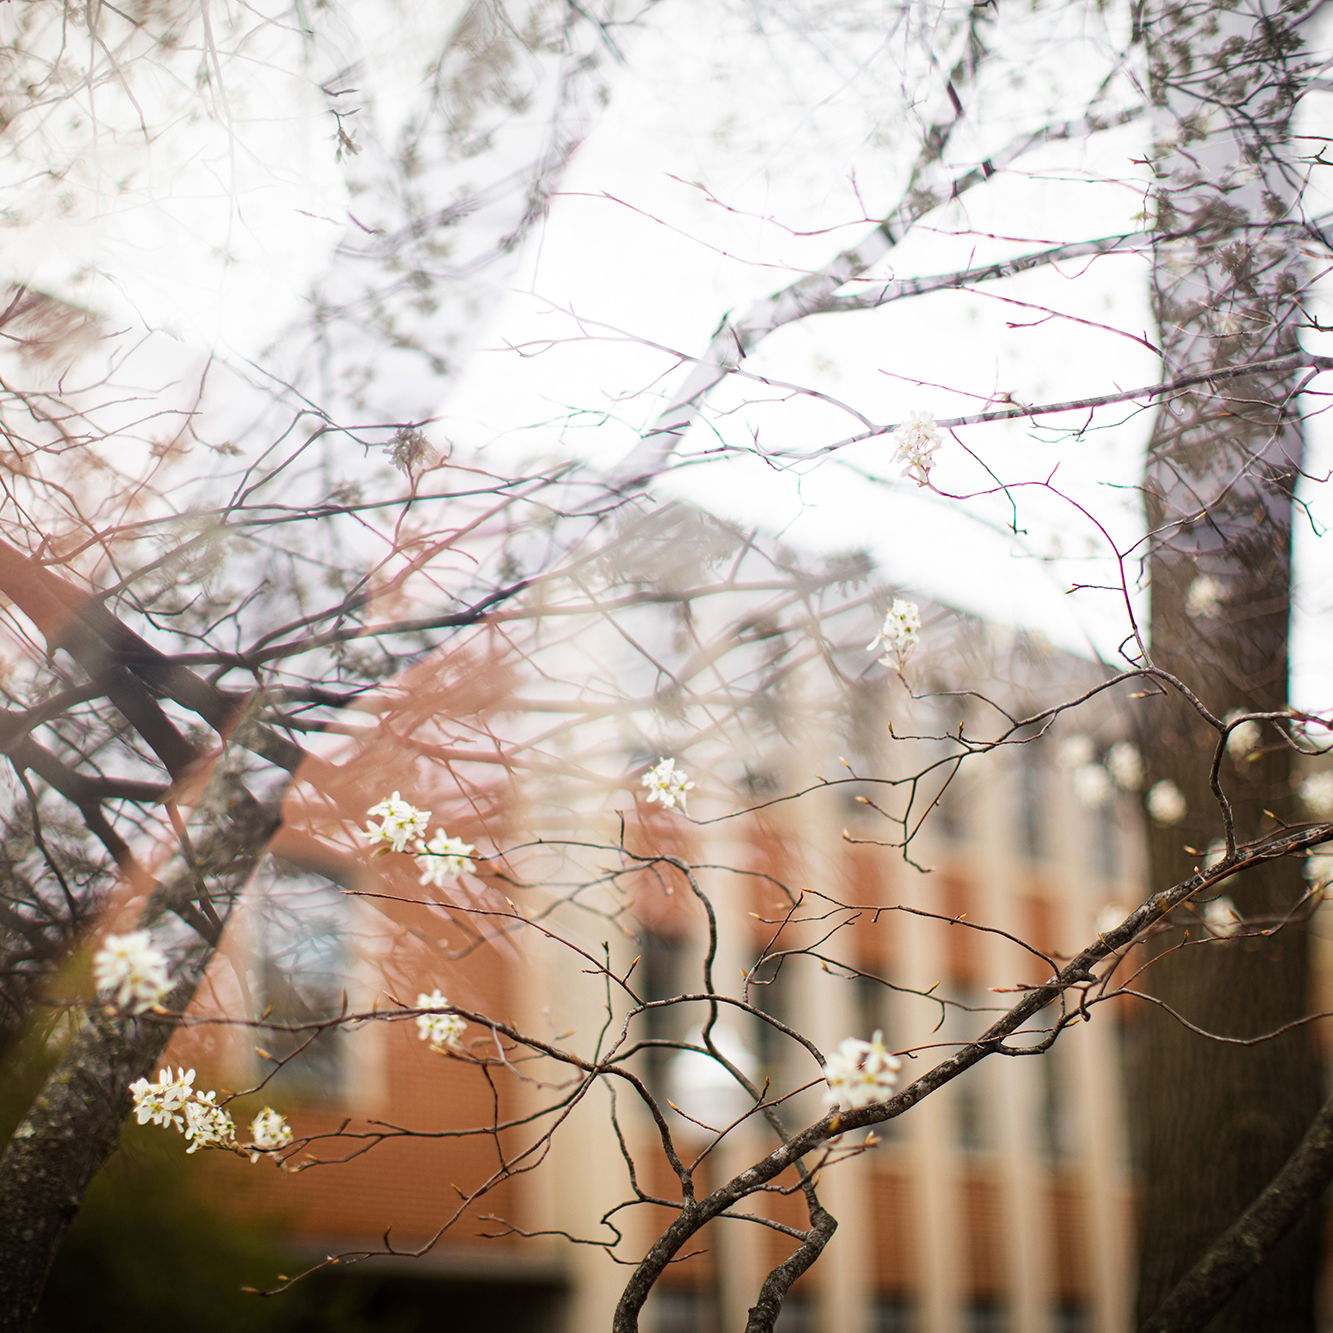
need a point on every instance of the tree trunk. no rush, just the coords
(74, 1124)
(1214, 1121)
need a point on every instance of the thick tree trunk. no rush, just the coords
(1287, 1201)
(74, 1124)
(1216, 1121)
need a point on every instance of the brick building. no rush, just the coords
(1001, 1202)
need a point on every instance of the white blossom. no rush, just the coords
(667, 784)
(1243, 739)
(1319, 870)
(1203, 601)
(160, 1103)
(269, 1131)
(916, 441)
(207, 1125)
(1217, 851)
(444, 858)
(1317, 794)
(1109, 916)
(860, 1073)
(1075, 752)
(1092, 786)
(131, 971)
(439, 1029)
(900, 633)
(175, 1103)
(1125, 764)
(401, 823)
(1166, 802)
(1221, 918)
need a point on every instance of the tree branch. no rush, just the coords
(1240, 1250)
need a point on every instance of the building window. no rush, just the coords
(300, 978)
(1032, 796)
(987, 1315)
(1072, 1317)
(973, 1122)
(875, 1013)
(1058, 1128)
(796, 1316)
(865, 719)
(948, 812)
(971, 1098)
(1107, 841)
(855, 810)
(660, 975)
(895, 1314)
(681, 1310)
(874, 1003)
(771, 993)
(661, 972)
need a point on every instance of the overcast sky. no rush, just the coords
(737, 151)
(663, 226)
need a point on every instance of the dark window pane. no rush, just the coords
(895, 1314)
(681, 1310)
(987, 1316)
(301, 966)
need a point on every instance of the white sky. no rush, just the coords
(631, 252)
(215, 233)
(134, 188)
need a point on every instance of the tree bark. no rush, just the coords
(73, 1126)
(1207, 1287)
(1214, 1122)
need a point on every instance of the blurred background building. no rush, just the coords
(1002, 1202)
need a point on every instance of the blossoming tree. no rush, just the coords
(177, 649)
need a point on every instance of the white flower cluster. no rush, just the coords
(916, 441)
(402, 824)
(900, 633)
(1109, 916)
(207, 1125)
(1317, 794)
(1075, 752)
(1125, 765)
(1243, 739)
(1092, 786)
(175, 1103)
(269, 1133)
(159, 1103)
(1094, 783)
(439, 1029)
(668, 784)
(444, 858)
(1221, 919)
(1203, 601)
(1166, 803)
(131, 971)
(1319, 870)
(860, 1073)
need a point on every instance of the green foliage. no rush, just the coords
(148, 1242)
(147, 1246)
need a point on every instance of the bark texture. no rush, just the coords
(1208, 1286)
(74, 1124)
(1215, 1121)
